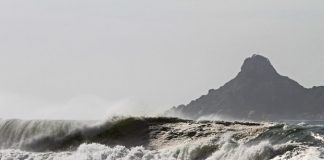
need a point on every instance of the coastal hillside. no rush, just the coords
(258, 92)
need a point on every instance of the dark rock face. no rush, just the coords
(258, 92)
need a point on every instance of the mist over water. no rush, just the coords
(84, 107)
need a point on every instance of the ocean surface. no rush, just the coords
(155, 139)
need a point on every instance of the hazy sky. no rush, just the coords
(87, 59)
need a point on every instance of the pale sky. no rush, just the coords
(88, 59)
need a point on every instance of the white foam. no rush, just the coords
(228, 151)
(302, 153)
(317, 136)
(233, 151)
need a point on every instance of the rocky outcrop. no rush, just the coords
(258, 92)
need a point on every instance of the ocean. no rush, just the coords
(130, 138)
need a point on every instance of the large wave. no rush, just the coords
(158, 138)
(46, 135)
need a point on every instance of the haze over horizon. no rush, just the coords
(88, 59)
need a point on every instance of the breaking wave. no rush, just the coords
(158, 138)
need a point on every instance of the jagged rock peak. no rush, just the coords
(258, 65)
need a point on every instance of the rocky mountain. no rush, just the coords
(258, 92)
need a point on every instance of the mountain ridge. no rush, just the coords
(258, 92)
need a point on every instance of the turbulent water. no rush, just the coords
(159, 138)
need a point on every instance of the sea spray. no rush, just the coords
(158, 138)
